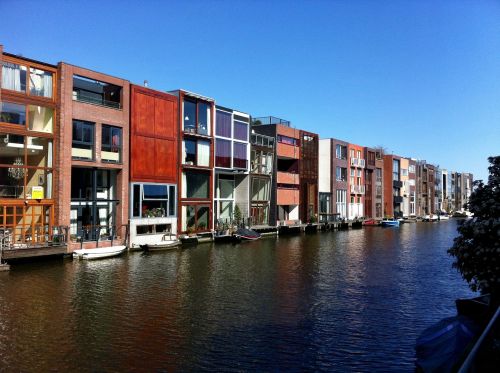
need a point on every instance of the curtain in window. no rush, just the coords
(241, 131)
(11, 77)
(239, 155)
(203, 153)
(223, 121)
(47, 85)
(223, 153)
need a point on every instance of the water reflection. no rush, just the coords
(347, 300)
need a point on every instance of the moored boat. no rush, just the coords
(161, 245)
(99, 253)
(389, 223)
(246, 234)
(371, 222)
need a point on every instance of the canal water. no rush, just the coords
(337, 301)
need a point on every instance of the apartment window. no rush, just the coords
(189, 152)
(196, 117)
(195, 184)
(404, 172)
(352, 153)
(358, 154)
(359, 173)
(240, 155)
(288, 140)
(341, 202)
(96, 92)
(353, 172)
(83, 140)
(223, 124)
(12, 113)
(240, 130)
(196, 153)
(260, 189)
(111, 147)
(40, 83)
(341, 173)
(262, 162)
(25, 167)
(195, 217)
(411, 169)
(203, 118)
(395, 170)
(14, 77)
(262, 140)
(325, 203)
(378, 173)
(340, 151)
(222, 153)
(40, 118)
(153, 200)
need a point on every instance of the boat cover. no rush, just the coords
(442, 345)
(249, 233)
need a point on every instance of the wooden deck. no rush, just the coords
(33, 251)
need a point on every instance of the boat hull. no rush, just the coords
(389, 223)
(162, 245)
(99, 253)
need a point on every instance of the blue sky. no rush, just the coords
(421, 78)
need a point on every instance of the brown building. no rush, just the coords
(370, 180)
(285, 189)
(425, 190)
(393, 198)
(154, 153)
(196, 154)
(308, 176)
(356, 181)
(93, 157)
(28, 139)
(379, 184)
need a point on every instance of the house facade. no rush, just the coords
(232, 166)
(154, 164)
(308, 176)
(356, 182)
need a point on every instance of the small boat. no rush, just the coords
(371, 222)
(444, 217)
(389, 223)
(99, 253)
(164, 244)
(189, 240)
(246, 234)
(430, 218)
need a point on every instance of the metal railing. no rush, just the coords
(91, 99)
(270, 120)
(22, 238)
(95, 233)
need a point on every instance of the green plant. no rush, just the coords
(156, 212)
(477, 248)
(237, 214)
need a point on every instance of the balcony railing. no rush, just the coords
(358, 189)
(358, 162)
(269, 120)
(82, 96)
(287, 178)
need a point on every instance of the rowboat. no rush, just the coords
(389, 223)
(99, 253)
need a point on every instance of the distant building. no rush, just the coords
(393, 194)
(356, 181)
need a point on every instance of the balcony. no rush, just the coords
(398, 199)
(397, 184)
(287, 178)
(358, 189)
(95, 92)
(269, 120)
(288, 151)
(358, 162)
(288, 196)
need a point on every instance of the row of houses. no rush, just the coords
(83, 149)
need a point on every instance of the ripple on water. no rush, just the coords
(343, 301)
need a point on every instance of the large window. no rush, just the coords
(111, 148)
(40, 83)
(83, 140)
(240, 130)
(262, 162)
(340, 151)
(195, 217)
(25, 167)
(260, 189)
(288, 140)
(12, 113)
(14, 77)
(240, 155)
(325, 203)
(195, 185)
(196, 153)
(341, 202)
(96, 92)
(395, 170)
(196, 117)
(93, 203)
(223, 127)
(153, 200)
(222, 153)
(341, 174)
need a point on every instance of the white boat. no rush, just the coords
(162, 245)
(444, 217)
(431, 217)
(99, 253)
